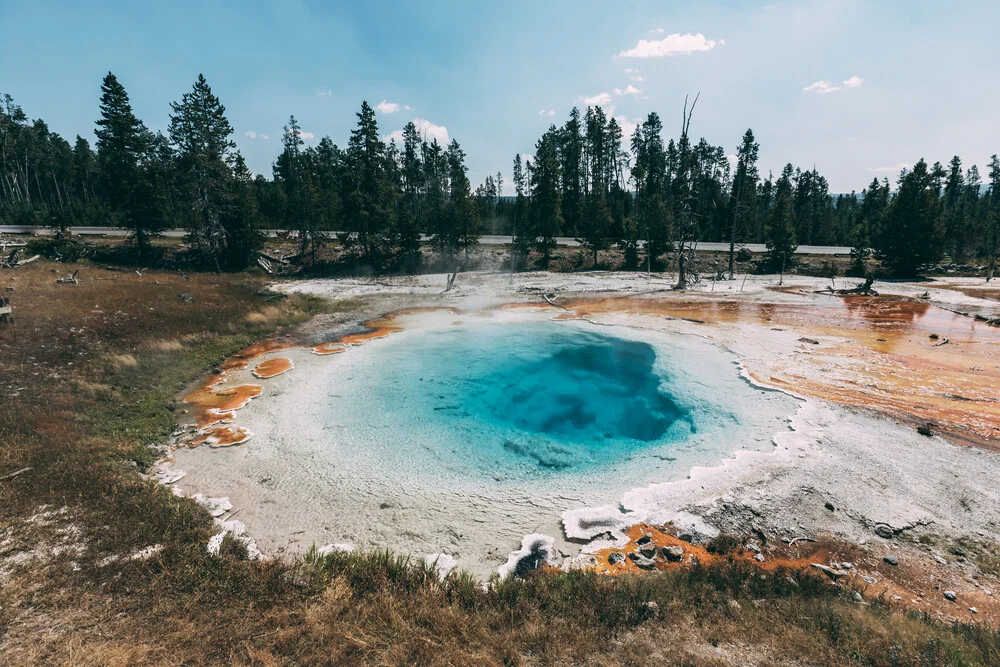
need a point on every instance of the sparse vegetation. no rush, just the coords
(77, 588)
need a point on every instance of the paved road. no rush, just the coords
(485, 240)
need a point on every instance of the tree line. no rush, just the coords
(582, 183)
(586, 180)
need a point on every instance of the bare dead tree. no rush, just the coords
(687, 230)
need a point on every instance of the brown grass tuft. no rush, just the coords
(173, 345)
(124, 360)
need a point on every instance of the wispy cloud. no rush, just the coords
(306, 136)
(894, 169)
(671, 45)
(826, 87)
(633, 74)
(598, 100)
(547, 112)
(630, 90)
(425, 129)
(325, 93)
(250, 134)
(253, 136)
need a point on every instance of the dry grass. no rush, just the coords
(80, 418)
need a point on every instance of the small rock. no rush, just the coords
(847, 566)
(869, 580)
(616, 557)
(759, 558)
(642, 561)
(858, 597)
(891, 560)
(811, 341)
(940, 561)
(645, 539)
(950, 595)
(829, 571)
(829, 506)
(884, 530)
(652, 609)
(648, 550)
(958, 552)
(674, 554)
(896, 598)
(686, 537)
(925, 429)
(753, 547)
(735, 606)
(973, 610)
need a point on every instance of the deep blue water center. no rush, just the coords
(521, 397)
(585, 389)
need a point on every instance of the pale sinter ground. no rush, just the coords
(872, 469)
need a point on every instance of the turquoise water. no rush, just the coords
(529, 398)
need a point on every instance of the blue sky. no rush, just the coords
(854, 88)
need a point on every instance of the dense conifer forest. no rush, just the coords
(586, 180)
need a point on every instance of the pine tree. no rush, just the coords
(546, 195)
(743, 194)
(875, 200)
(991, 236)
(912, 233)
(410, 220)
(292, 172)
(205, 153)
(571, 157)
(465, 220)
(128, 180)
(240, 219)
(521, 239)
(370, 197)
(781, 243)
(954, 212)
(439, 220)
(595, 225)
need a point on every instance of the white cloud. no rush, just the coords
(821, 87)
(628, 128)
(633, 74)
(598, 100)
(265, 137)
(325, 93)
(630, 90)
(386, 107)
(547, 112)
(250, 134)
(426, 130)
(826, 87)
(306, 136)
(658, 31)
(671, 45)
(894, 169)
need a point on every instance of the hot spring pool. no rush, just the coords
(462, 436)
